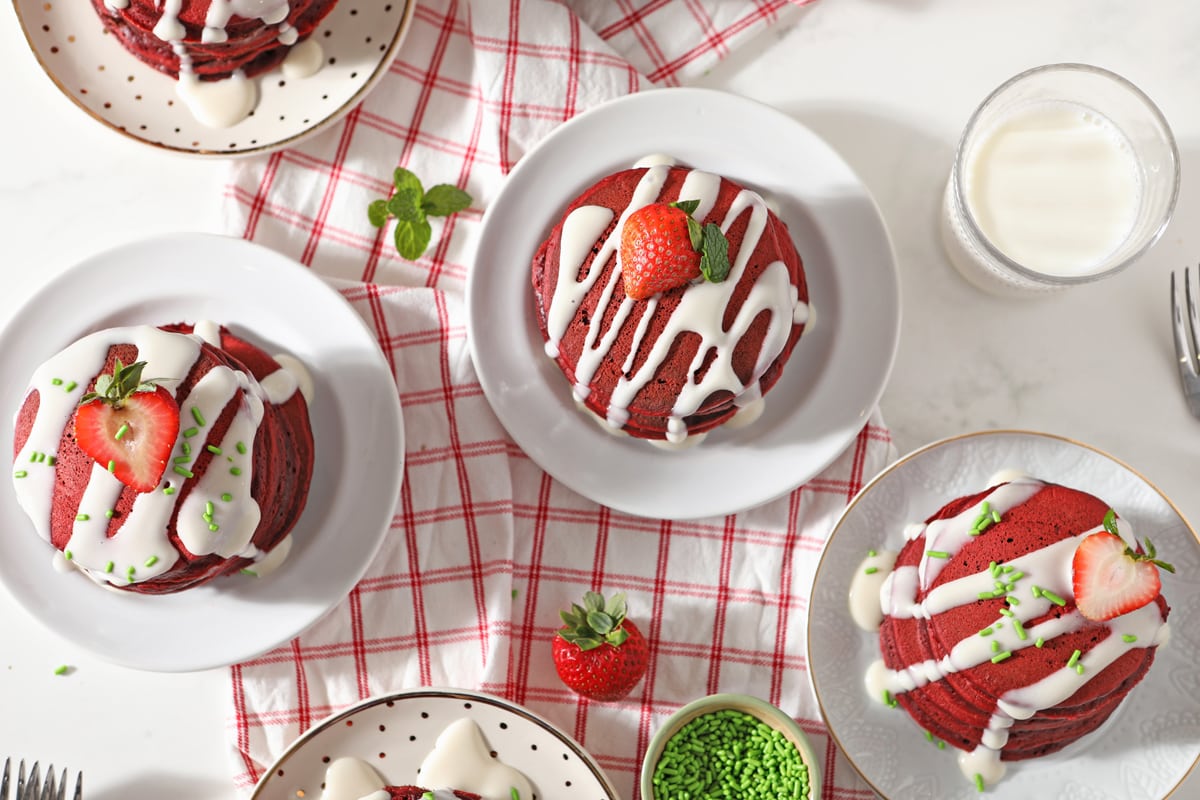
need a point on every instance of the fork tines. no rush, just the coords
(34, 788)
(1186, 327)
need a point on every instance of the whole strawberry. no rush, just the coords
(663, 247)
(599, 653)
(1110, 578)
(129, 425)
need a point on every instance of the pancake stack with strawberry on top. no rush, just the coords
(1016, 620)
(156, 459)
(671, 299)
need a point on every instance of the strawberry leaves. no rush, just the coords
(1111, 578)
(116, 388)
(411, 206)
(596, 622)
(708, 241)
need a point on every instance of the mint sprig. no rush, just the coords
(708, 241)
(411, 206)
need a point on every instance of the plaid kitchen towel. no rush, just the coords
(484, 547)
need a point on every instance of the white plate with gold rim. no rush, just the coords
(393, 734)
(1147, 746)
(830, 384)
(358, 436)
(359, 41)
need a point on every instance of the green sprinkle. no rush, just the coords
(888, 700)
(82, 517)
(70, 387)
(1016, 576)
(67, 555)
(209, 508)
(987, 632)
(112, 465)
(994, 568)
(1073, 659)
(871, 570)
(996, 659)
(1012, 601)
(190, 432)
(987, 507)
(109, 567)
(186, 449)
(51, 460)
(56, 381)
(181, 459)
(187, 473)
(212, 448)
(929, 735)
(1129, 638)
(974, 532)
(151, 561)
(1020, 629)
(941, 745)
(1035, 590)
(1079, 669)
(121, 431)
(241, 448)
(1010, 587)
(250, 572)
(979, 786)
(872, 553)
(1053, 598)
(1006, 612)
(130, 572)
(513, 794)
(63, 670)
(20, 473)
(1039, 642)
(235, 471)
(995, 646)
(110, 513)
(169, 490)
(1007, 568)
(33, 457)
(986, 596)
(227, 497)
(214, 527)
(937, 554)
(995, 516)
(196, 415)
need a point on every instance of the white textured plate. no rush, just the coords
(394, 733)
(1146, 747)
(829, 386)
(358, 437)
(359, 39)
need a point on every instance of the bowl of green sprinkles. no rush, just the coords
(730, 746)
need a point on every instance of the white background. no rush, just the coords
(889, 83)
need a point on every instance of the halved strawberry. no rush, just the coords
(663, 247)
(1111, 578)
(128, 425)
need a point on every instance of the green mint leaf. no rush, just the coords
(405, 206)
(686, 206)
(412, 237)
(714, 254)
(377, 213)
(695, 233)
(443, 200)
(405, 181)
(1110, 522)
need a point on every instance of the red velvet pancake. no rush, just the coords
(1032, 545)
(417, 793)
(237, 483)
(249, 44)
(653, 380)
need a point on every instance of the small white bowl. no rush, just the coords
(760, 709)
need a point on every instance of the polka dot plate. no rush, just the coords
(394, 733)
(359, 39)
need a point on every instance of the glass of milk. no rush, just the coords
(1065, 174)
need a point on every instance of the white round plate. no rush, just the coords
(358, 435)
(395, 732)
(1141, 753)
(829, 386)
(359, 40)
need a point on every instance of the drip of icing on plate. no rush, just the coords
(460, 759)
(897, 591)
(700, 311)
(142, 541)
(226, 102)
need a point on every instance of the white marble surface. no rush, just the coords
(889, 83)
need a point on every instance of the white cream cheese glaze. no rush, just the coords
(461, 759)
(700, 311)
(1049, 568)
(226, 102)
(141, 549)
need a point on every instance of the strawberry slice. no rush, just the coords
(1111, 578)
(129, 425)
(664, 247)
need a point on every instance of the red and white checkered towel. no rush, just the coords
(484, 547)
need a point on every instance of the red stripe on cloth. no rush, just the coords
(629, 19)
(303, 711)
(714, 38)
(574, 59)
(343, 148)
(242, 722)
(510, 80)
(439, 53)
(666, 73)
(653, 634)
(722, 606)
(420, 624)
(646, 40)
(532, 578)
(468, 163)
(464, 482)
(354, 601)
(779, 659)
(260, 196)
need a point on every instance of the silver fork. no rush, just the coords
(34, 788)
(1186, 323)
